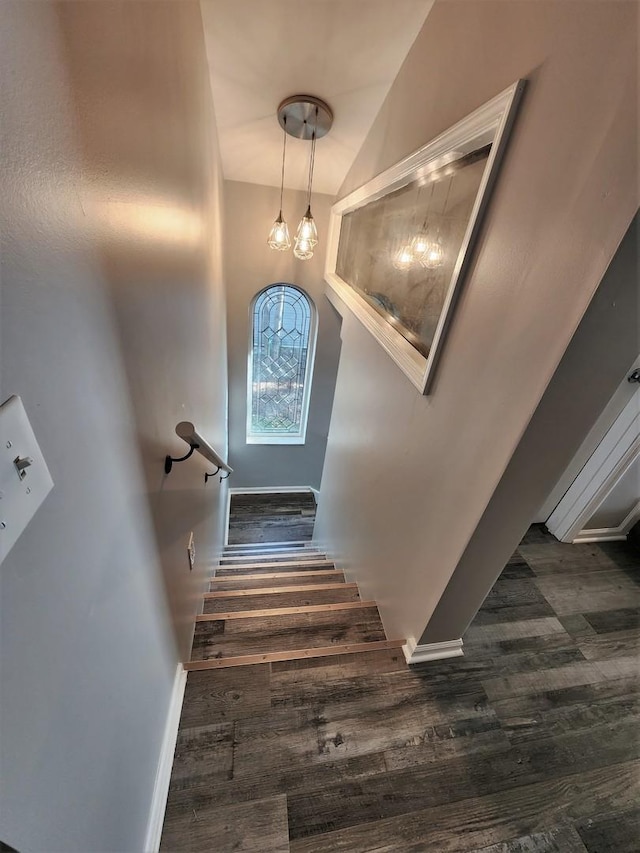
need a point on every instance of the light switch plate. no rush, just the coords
(22, 489)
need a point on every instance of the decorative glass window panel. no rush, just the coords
(280, 366)
(400, 245)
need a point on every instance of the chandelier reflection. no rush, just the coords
(404, 257)
(433, 255)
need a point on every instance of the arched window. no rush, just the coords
(283, 340)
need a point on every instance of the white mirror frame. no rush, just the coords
(489, 124)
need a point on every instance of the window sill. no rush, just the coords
(276, 439)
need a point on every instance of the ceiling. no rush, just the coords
(346, 52)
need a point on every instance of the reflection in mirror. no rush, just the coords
(399, 251)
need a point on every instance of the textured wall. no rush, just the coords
(112, 330)
(251, 265)
(564, 198)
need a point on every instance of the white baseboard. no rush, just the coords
(270, 490)
(590, 538)
(227, 516)
(610, 534)
(165, 763)
(431, 651)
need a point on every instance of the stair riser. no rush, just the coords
(276, 557)
(267, 545)
(333, 607)
(343, 593)
(278, 546)
(219, 638)
(276, 580)
(273, 546)
(266, 568)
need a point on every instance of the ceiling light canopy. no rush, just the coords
(309, 118)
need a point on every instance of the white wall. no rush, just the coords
(250, 265)
(564, 198)
(112, 330)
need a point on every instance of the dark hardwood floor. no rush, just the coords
(527, 744)
(271, 518)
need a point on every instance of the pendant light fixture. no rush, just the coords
(307, 233)
(279, 234)
(309, 118)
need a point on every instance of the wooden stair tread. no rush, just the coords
(280, 543)
(225, 638)
(331, 607)
(283, 548)
(275, 557)
(302, 565)
(267, 590)
(268, 597)
(265, 551)
(293, 654)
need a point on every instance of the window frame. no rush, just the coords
(300, 437)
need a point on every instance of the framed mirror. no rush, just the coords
(399, 246)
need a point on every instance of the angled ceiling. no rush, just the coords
(347, 52)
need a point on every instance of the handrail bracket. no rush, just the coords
(168, 460)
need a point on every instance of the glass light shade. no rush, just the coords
(404, 257)
(307, 229)
(303, 249)
(279, 235)
(433, 257)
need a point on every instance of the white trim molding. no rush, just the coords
(227, 519)
(271, 490)
(490, 124)
(414, 653)
(616, 453)
(611, 534)
(165, 763)
(603, 424)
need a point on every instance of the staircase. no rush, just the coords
(282, 601)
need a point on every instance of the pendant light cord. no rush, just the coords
(312, 159)
(284, 149)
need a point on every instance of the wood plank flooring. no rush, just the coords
(270, 518)
(527, 744)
